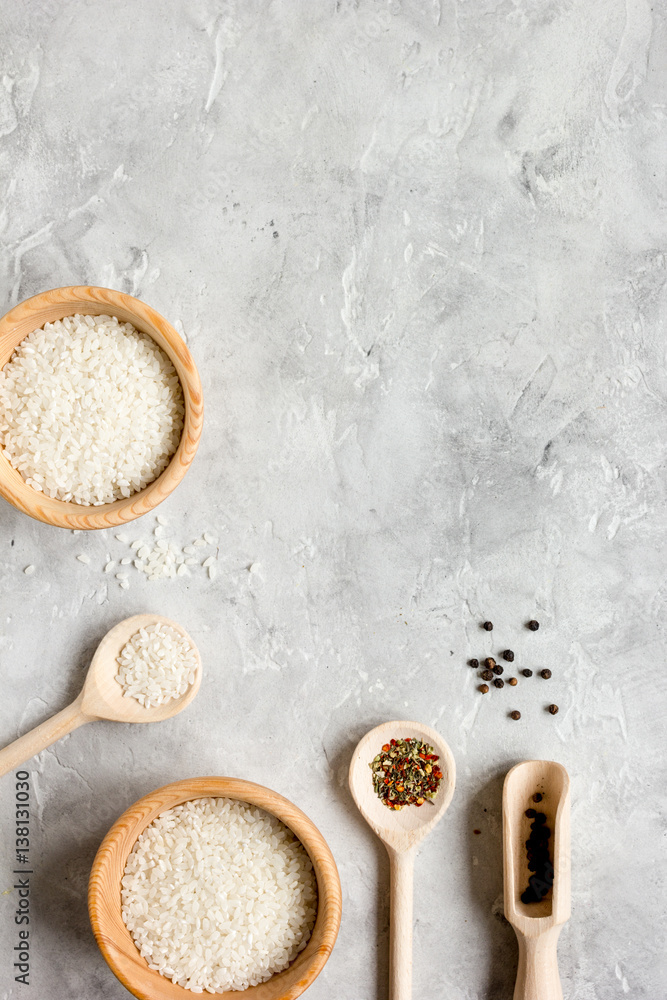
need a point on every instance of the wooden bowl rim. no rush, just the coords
(104, 912)
(45, 307)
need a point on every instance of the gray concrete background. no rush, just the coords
(417, 252)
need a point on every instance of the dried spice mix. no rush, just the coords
(406, 773)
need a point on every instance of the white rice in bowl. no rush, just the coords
(91, 410)
(218, 895)
(156, 665)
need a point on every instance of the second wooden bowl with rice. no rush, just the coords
(101, 407)
(216, 883)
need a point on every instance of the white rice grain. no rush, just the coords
(91, 410)
(156, 664)
(218, 895)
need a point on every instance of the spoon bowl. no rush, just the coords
(102, 696)
(400, 832)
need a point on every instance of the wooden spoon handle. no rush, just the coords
(42, 736)
(537, 976)
(401, 870)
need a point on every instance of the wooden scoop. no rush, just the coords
(537, 925)
(102, 696)
(400, 832)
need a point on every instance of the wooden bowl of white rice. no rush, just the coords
(215, 885)
(101, 407)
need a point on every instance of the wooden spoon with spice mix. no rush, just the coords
(102, 696)
(400, 831)
(539, 787)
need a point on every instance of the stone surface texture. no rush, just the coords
(417, 251)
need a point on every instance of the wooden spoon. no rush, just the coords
(537, 925)
(400, 832)
(102, 696)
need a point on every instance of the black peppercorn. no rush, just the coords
(473, 663)
(490, 662)
(508, 655)
(513, 682)
(498, 683)
(488, 626)
(515, 715)
(553, 709)
(498, 669)
(484, 688)
(537, 856)
(546, 674)
(537, 797)
(533, 625)
(527, 672)
(487, 675)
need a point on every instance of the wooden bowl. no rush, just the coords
(104, 900)
(56, 304)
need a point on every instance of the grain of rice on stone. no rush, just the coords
(156, 664)
(218, 895)
(91, 410)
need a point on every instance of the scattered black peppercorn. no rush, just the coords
(537, 797)
(488, 626)
(527, 672)
(513, 682)
(515, 715)
(490, 662)
(498, 669)
(487, 675)
(508, 655)
(546, 674)
(498, 683)
(473, 663)
(553, 709)
(533, 625)
(530, 813)
(484, 688)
